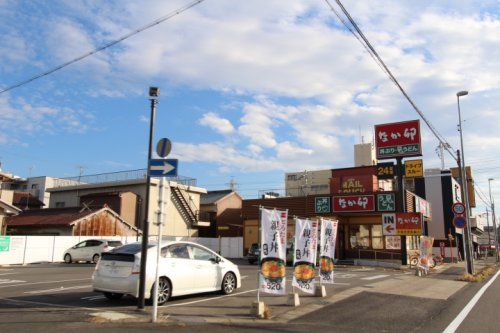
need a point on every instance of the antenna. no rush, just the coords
(233, 184)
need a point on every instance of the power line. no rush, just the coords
(121, 39)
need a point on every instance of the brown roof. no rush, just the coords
(19, 200)
(48, 216)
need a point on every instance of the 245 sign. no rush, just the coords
(398, 139)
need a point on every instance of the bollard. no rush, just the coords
(257, 309)
(293, 299)
(320, 291)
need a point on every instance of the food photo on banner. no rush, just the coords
(425, 252)
(272, 278)
(304, 261)
(327, 250)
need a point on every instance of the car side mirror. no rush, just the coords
(216, 260)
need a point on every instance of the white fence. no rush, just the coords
(35, 249)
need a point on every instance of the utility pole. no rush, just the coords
(488, 225)
(493, 218)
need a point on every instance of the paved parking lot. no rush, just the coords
(56, 289)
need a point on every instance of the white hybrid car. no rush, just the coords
(89, 250)
(185, 268)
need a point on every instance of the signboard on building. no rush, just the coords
(386, 202)
(4, 243)
(422, 206)
(398, 139)
(402, 224)
(414, 168)
(386, 170)
(408, 224)
(354, 203)
(322, 205)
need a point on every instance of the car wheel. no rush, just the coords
(113, 296)
(228, 283)
(67, 258)
(164, 291)
(95, 258)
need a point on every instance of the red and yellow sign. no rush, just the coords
(408, 224)
(398, 139)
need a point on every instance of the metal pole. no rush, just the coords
(161, 203)
(145, 228)
(401, 206)
(463, 178)
(493, 218)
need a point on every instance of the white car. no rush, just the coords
(89, 250)
(185, 268)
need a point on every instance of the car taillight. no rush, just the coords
(137, 268)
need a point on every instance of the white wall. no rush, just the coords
(36, 249)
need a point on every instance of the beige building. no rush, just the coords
(364, 154)
(181, 215)
(307, 183)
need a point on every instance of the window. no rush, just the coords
(34, 186)
(80, 245)
(179, 251)
(377, 237)
(201, 254)
(359, 236)
(60, 204)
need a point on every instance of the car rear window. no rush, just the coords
(130, 248)
(114, 243)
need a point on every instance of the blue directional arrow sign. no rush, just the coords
(163, 167)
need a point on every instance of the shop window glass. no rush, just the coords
(377, 237)
(359, 236)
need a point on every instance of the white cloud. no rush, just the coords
(220, 125)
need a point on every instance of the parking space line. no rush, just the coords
(44, 282)
(49, 304)
(375, 277)
(208, 299)
(55, 290)
(5, 281)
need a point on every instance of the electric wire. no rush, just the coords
(105, 46)
(367, 45)
(373, 53)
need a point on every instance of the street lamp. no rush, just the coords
(154, 93)
(493, 217)
(463, 181)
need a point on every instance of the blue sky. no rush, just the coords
(249, 89)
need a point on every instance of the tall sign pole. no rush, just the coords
(154, 92)
(401, 206)
(399, 140)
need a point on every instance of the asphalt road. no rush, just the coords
(59, 298)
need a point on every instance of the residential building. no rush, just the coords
(127, 194)
(223, 209)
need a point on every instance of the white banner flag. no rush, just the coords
(304, 262)
(273, 251)
(327, 250)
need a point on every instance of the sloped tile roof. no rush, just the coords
(48, 216)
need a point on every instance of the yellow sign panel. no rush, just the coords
(222, 228)
(414, 168)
